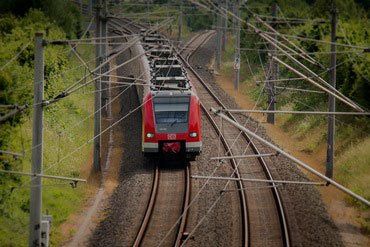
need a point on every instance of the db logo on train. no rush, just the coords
(171, 136)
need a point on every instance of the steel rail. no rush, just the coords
(185, 208)
(234, 164)
(276, 194)
(154, 194)
(240, 187)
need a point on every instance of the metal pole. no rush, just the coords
(81, 6)
(180, 22)
(224, 26)
(219, 39)
(233, 9)
(294, 159)
(104, 48)
(91, 4)
(97, 96)
(37, 137)
(237, 48)
(331, 118)
(270, 85)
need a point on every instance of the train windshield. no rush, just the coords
(171, 110)
(171, 113)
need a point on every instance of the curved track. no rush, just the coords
(169, 201)
(266, 222)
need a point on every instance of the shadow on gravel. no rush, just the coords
(124, 207)
(173, 163)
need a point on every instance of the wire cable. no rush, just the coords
(15, 56)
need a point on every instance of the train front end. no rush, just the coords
(172, 124)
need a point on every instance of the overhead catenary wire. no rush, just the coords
(256, 180)
(299, 89)
(15, 56)
(296, 112)
(75, 86)
(295, 160)
(301, 53)
(332, 90)
(274, 42)
(42, 175)
(321, 41)
(93, 138)
(15, 154)
(339, 97)
(207, 212)
(68, 90)
(310, 53)
(98, 109)
(92, 39)
(207, 181)
(81, 60)
(101, 75)
(221, 194)
(289, 18)
(8, 106)
(12, 113)
(85, 32)
(304, 38)
(102, 132)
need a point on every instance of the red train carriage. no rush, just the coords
(171, 109)
(172, 123)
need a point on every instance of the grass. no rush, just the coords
(352, 140)
(353, 170)
(64, 131)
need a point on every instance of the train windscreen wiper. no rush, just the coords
(175, 121)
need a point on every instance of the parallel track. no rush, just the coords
(156, 217)
(253, 227)
(264, 221)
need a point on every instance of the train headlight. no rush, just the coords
(193, 134)
(149, 135)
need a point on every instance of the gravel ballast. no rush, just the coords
(309, 222)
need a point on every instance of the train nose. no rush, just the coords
(171, 147)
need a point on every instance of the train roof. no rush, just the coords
(171, 93)
(168, 76)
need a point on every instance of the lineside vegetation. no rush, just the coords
(353, 79)
(64, 124)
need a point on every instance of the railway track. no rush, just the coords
(168, 200)
(186, 53)
(264, 220)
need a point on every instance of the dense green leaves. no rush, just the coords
(62, 12)
(353, 74)
(16, 76)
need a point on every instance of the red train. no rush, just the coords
(171, 116)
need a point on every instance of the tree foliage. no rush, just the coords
(62, 12)
(353, 74)
(16, 78)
